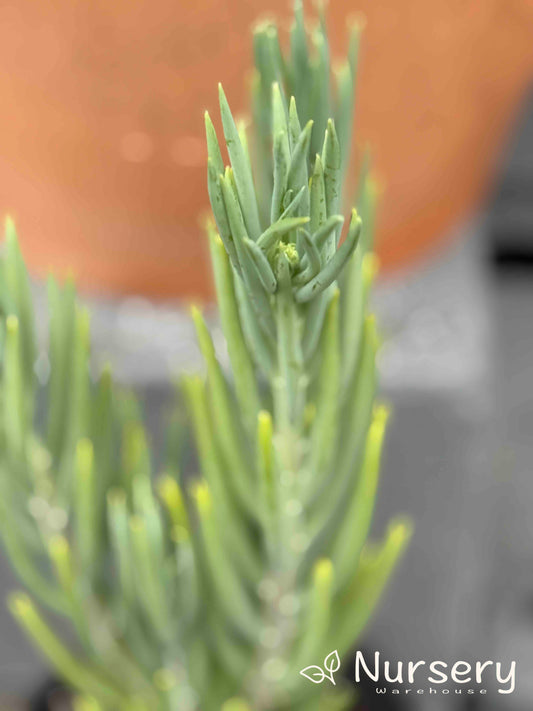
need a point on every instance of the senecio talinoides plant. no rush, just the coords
(216, 591)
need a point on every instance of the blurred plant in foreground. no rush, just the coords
(216, 593)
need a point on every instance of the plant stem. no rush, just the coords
(289, 389)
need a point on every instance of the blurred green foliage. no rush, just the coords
(215, 592)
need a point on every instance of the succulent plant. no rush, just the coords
(217, 590)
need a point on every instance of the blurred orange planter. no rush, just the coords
(101, 143)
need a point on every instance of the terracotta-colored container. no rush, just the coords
(101, 131)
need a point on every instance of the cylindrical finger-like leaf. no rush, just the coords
(351, 534)
(79, 675)
(228, 433)
(289, 353)
(61, 557)
(26, 566)
(332, 224)
(344, 114)
(281, 171)
(293, 205)
(260, 344)
(15, 422)
(315, 623)
(331, 270)
(300, 74)
(318, 210)
(87, 516)
(241, 168)
(219, 211)
(236, 533)
(331, 160)
(325, 427)
(117, 511)
(321, 98)
(359, 277)
(281, 227)
(18, 300)
(62, 308)
(170, 492)
(312, 259)
(77, 424)
(231, 595)
(356, 605)
(280, 116)
(295, 128)
(148, 579)
(268, 280)
(255, 290)
(297, 176)
(242, 365)
(213, 149)
(330, 497)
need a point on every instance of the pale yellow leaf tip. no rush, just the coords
(356, 22)
(164, 679)
(235, 704)
(20, 605)
(264, 418)
(10, 226)
(202, 495)
(382, 412)
(58, 545)
(196, 313)
(12, 324)
(355, 216)
(323, 571)
(377, 428)
(400, 530)
(85, 454)
(370, 266)
(86, 703)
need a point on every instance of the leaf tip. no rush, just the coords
(323, 572)
(370, 266)
(202, 496)
(9, 224)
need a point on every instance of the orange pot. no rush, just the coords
(101, 132)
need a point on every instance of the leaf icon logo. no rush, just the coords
(332, 664)
(317, 675)
(314, 674)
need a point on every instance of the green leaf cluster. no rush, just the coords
(215, 592)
